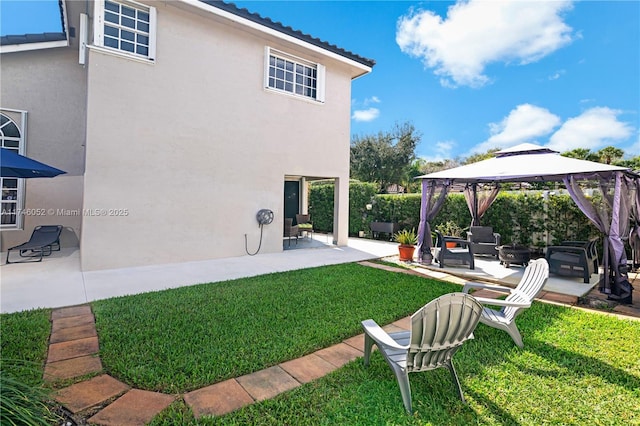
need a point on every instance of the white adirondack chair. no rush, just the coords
(518, 299)
(438, 330)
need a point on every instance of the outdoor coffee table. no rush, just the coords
(509, 254)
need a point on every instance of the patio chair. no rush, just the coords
(290, 230)
(574, 258)
(483, 240)
(44, 240)
(303, 221)
(438, 330)
(518, 299)
(452, 250)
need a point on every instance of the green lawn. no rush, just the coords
(576, 368)
(183, 339)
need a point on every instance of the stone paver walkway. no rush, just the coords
(104, 400)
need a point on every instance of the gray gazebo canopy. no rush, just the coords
(533, 163)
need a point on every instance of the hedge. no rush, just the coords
(519, 217)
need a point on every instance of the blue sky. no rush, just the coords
(476, 75)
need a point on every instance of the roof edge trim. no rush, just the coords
(364, 65)
(23, 47)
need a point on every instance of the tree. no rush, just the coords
(610, 154)
(632, 163)
(581, 154)
(385, 158)
(479, 157)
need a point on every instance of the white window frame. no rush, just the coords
(99, 35)
(320, 74)
(12, 114)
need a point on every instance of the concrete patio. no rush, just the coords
(57, 281)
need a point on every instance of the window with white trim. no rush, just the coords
(12, 188)
(126, 26)
(296, 76)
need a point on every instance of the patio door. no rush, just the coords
(291, 199)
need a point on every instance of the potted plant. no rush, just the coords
(407, 240)
(450, 229)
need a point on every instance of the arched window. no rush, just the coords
(10, 138)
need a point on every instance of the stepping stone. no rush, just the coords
(72, 349)
(74, 367)
(339, 354)
(267, 383)
(308, 368)
(72, 311)
(136, 407)
(356, 342)
(86, 394)
(73, 333)
(68, 322)
(218, 399)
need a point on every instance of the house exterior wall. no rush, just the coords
(51, 87)
(182, 153)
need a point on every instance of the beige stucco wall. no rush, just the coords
(51, 86)
(181, 154)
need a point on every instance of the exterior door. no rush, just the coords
(291, 199)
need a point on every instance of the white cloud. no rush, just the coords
(362, 113)
(556, 75)
(440, 151)
(476, 33)
(525, 123)
(372, 100)
(593, 129)
(366, 114)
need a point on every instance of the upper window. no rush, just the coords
(126, 26)
(293, 75)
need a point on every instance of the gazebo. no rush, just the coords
(527, 162)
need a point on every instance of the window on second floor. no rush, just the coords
(126, 26)
(293, 75)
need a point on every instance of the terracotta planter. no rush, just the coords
(406, 252)
(450, 245)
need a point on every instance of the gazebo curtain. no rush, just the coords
(613, 221)
(479, 203)
(433, 198)
(634, 234)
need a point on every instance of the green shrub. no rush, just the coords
(519, 217)
(321, 206)
(22, 403)
(360, 194)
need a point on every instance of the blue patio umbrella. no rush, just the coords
(15, 165)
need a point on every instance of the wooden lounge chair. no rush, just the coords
(518, 299)
(44, 239)
(438, 330)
